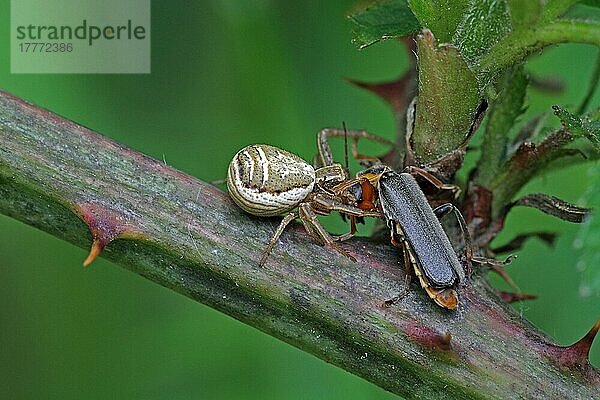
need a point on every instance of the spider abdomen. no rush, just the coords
(266, 181)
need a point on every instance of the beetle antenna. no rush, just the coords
(346, 149)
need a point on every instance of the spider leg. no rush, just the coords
(316, 230)
(346, 236)
(325, 156)
(327, 204)
(282, 225)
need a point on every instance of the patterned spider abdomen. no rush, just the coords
(266, 181)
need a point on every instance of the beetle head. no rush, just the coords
(373, 173)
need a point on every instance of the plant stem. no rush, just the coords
(188, 236)
(556, 8)
(519, 44)
(501, 117)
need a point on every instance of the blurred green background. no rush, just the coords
(226, 74)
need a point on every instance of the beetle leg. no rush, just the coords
(316, 230)
(325, 156)
(407, 277)
(397, 240)
(492, 262)
(433, 180)
(284, 222)
(401, 295)
(441, 212)
(396, 243)
(445, 209)
(469, 244)
(498, 267)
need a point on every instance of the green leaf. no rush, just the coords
(588, 238)
(530, 159)
(440, 16)
(553, 206)
(555, 8)
(524, 14)
(485, 24)
(580, 126)
(383, 20)
(591, 3)
(583, 11)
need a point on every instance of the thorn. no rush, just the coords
(575, 356)
(444, 341)
(499, 269)
(579, 352)
(393, 92)
(105, 225)
(95, 251)
(430, 338)
(511, 297)
(517, 242)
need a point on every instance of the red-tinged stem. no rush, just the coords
(188, 236)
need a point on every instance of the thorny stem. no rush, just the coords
(187, 235)
(517, 45)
